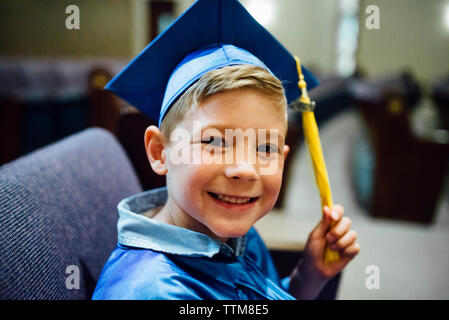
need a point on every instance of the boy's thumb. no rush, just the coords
(323, 226)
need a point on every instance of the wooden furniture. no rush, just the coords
(43, 100)
(409, 171)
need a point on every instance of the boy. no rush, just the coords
(220, 143)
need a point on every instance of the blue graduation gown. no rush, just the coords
(154, 260)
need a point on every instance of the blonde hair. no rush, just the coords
(224, 79)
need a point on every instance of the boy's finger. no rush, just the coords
(339, 230)
(322, 227)
(337, 212)
(348, 239)
(352, 250)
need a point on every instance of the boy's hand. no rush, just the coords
(311, 274)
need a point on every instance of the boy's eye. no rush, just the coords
(218, 142)
(267, 148)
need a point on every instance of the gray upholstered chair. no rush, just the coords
(58, 209)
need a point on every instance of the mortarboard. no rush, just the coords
(207, 36)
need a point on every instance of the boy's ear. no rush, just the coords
(286, 151)
(155, 147)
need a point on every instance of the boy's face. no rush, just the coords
(226, 180)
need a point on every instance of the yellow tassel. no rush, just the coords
(312, 138)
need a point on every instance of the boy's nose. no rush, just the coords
(242, 171)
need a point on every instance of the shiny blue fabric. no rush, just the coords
(154, 260)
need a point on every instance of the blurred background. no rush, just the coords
(383, 113)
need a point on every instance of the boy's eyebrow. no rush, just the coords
(222, 128)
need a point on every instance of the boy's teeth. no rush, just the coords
(232, 199)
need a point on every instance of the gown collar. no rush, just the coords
(137, 230)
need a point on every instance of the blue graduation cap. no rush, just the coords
(209, 35)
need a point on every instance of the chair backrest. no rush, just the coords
(58, 216)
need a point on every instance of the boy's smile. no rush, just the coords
(234, 202)
(211, 194)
